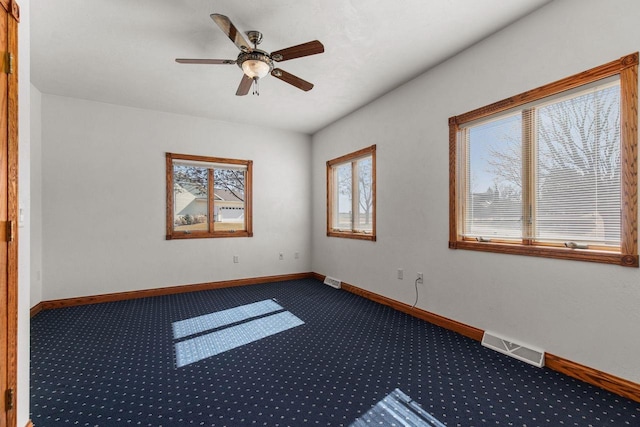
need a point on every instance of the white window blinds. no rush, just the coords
(547, 171)
(578, 168)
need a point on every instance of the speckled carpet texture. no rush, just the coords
(291, 353)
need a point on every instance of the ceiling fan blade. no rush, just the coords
(291, 79)
(245, 85)
(205, 61)
(298, 51)
(231, 31)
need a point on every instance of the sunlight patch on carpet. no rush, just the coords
(207, 322)
(225, 339)
(397, 409)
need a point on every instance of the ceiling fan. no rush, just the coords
(256, 63)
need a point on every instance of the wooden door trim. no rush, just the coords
(12, 212)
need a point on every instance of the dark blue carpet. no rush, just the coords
(114, 364)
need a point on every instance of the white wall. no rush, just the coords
(582, 311)
(24, 202)
(103, 200)
(36, 196)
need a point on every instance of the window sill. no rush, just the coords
(177, 236)
(589, 255)
(352, 235)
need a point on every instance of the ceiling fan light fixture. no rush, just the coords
(256, 64)
(255, 68)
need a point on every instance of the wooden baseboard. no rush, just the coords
(318, 276)
(461, 328)
(611, 383)
(36, 309)
(121, 296)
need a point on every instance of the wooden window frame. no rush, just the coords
(248, 206)
(351, 158)
(627, 69)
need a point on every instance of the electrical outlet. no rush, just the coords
(235, 259)
(400, 274)
(296, 255)
(281, 256)
(420, 278)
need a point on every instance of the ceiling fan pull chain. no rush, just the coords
(256, 88)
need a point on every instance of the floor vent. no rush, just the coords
(334, 283)
(519, 351)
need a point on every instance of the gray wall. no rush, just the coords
(585, 312)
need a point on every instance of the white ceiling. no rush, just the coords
(123, 52)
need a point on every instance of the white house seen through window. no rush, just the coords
(208, 197)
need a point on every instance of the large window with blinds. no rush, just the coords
(208, 197)
(551, 172)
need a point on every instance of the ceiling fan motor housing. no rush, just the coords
(255, 37)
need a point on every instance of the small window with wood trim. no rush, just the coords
(351, 195)
(208, 197)
(551, 172)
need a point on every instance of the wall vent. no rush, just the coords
(521, 352)
(333, 282)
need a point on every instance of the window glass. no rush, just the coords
(190, 196)
(208, 197)
(228, 201)
(351, 195)
(364, 220)
(494, 181)
(344, 197)
(578, 168)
